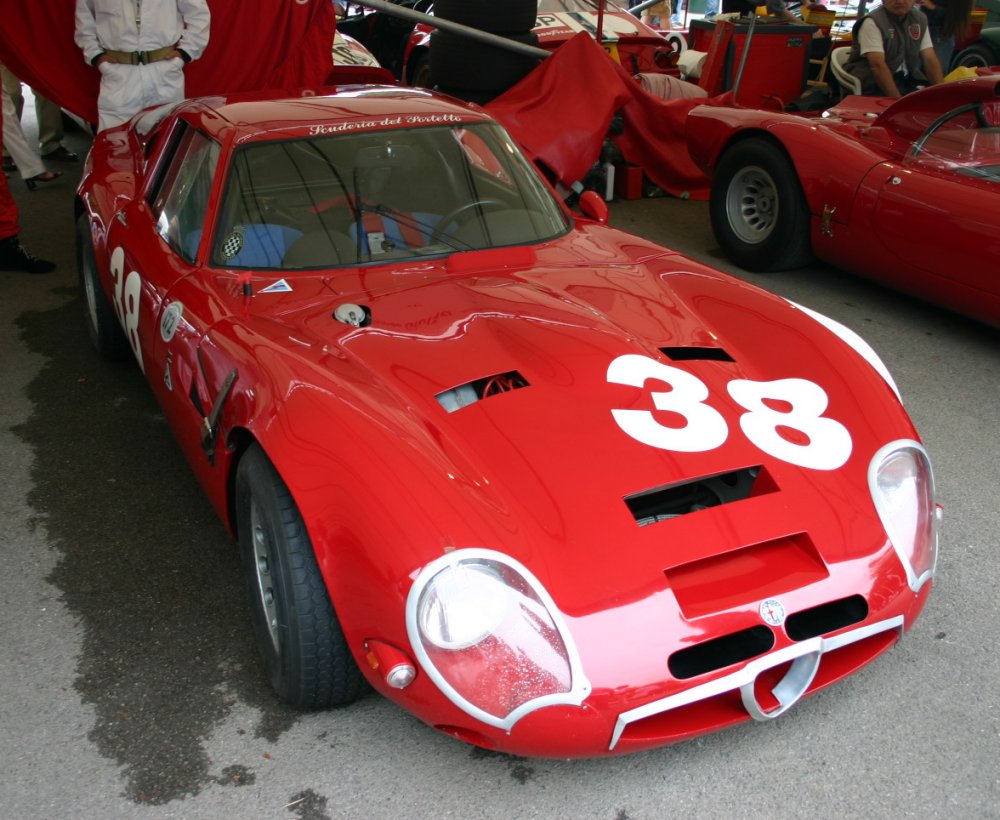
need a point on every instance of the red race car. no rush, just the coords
(905, 193)
(554, 489)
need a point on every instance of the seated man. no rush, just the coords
(892, 53)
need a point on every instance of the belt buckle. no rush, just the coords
(141, 57)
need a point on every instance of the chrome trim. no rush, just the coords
(805, 657)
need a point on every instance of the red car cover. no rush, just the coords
(559, 114)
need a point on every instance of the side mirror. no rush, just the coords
(593, 205)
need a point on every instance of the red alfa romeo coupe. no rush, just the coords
(554, 489)
(905, 193)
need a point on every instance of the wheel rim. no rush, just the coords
(752, 205)
(262, 555)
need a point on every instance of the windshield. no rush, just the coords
(966, 141)
(378, 196)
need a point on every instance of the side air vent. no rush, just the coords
(470, 393)
(826, 618)
(664, 503)
(720, 652)
(692, 354)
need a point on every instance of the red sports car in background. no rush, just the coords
(905, 193)
(552, 488)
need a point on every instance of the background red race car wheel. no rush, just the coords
(759, 213)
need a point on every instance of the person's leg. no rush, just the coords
(50, 126)
(120, 96)
(13, 256)
(945, 50)
(12, 86)
(29, 164)
(162, 82)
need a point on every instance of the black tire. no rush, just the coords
(460, 63)
(495, 16)
(419, 69)
(105, 332)
(300, 640)
(975, 56)
(759, 214)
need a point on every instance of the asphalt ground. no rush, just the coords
(129, 684)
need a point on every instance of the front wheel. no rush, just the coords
(300, 640)
(105, 332)
(759, 214)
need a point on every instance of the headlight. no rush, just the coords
(492, 639)
(902, 487)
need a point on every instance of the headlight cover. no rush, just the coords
(902, 486)
(491, 638)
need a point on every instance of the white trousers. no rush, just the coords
(29, 164)
(127, 89)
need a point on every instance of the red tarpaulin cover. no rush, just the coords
(560, 113)
(253, 44)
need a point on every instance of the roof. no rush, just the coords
(333, 109)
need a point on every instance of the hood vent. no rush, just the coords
(696, 354)
(664, 503)
(471, 392)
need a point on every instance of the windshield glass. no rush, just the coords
(378, 196)
(966, 141)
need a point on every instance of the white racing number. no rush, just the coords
(127, 290)
(791, 405)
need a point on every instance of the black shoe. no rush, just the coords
(61, 154)
(13, 256)
(45, 176)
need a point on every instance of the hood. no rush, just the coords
(595, 416)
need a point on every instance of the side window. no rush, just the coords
(180, 202)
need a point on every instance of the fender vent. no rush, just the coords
(664, 503)
(720, 652)
(826, 618)
(692, 354)
(471, 392)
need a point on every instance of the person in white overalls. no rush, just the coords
(140, 47)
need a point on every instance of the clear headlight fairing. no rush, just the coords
(491, 638)
(902, 486)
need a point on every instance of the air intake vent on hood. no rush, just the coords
(471, 392)
(665, 503)
(694, 354)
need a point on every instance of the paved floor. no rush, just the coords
(129, 685)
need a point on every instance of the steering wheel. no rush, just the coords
(455, 213)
